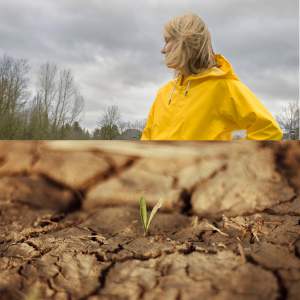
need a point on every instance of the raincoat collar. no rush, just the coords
(224, 69)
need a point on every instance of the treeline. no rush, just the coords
(52, 107)
(48, 110)
(111, 126)
(289, 120)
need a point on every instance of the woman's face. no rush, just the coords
(169, 44)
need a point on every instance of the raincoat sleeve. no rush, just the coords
(146, 135)
(250, 114)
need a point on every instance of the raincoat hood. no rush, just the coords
(223, 70)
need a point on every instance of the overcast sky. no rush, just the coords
(113, 47)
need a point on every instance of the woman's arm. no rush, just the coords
(249, 113)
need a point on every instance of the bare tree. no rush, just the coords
(124, 125)
(288, 119)
(47, 85)
(139, 124)
(58, 101)
(109, 123)
(77, 108)
(13, 94)
(64, 100)
(38, 121)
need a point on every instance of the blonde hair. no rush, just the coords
(192, 51)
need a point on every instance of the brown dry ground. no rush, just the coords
(70, 227)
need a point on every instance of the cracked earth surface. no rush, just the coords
(70, 226)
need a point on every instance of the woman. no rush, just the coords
(206, 100)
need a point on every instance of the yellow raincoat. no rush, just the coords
(209, 106)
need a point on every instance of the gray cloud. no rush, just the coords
(113, 47)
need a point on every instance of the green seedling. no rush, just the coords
(144, 213)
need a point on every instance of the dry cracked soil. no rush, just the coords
(70, 227)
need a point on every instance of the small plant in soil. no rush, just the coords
(146, 221)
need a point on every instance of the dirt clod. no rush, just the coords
(70, 225)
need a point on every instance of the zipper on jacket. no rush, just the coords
(185, 91)
(173, 90)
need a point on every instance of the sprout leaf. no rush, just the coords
(157, 206)
(143, 213)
